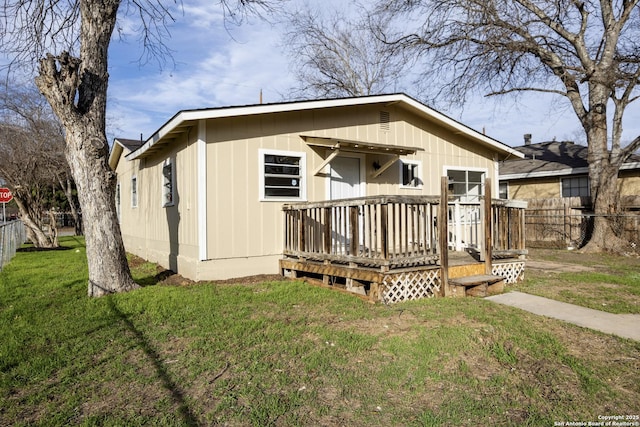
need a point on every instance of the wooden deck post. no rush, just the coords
(443, 236)
(488, 228)
(384, 231)
(301, 231)
(327, 231)
(354, 226)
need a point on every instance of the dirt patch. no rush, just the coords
(557, 267)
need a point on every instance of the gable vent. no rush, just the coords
(385, 118)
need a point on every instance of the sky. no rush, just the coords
(218, 65)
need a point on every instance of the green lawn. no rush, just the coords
(608, 283)
(288, 353)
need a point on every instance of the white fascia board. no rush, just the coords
(222, 112)
(544, 174)
(630, 165)
(561, 172)
(114, 154)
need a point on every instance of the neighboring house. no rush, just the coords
(203, 196)
(559, 169)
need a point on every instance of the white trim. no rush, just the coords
(182, 117)
(201, 147)
(485, 171)
(561, 172)
(545, 174)
(303, 175)
(418, 163)
(362, 189)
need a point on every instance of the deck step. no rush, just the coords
(480, 285)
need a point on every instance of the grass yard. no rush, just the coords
(286, 353)
(604, 282)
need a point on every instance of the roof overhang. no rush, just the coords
(352, 146)
(561, 172)
(337, 146)
(186, 119)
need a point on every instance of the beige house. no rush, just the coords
(204, 195)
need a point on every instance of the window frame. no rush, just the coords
(302, 175)
(579, 187)
(504, 185)
(466, 198)
(417, 175)
(134, 191)
(172, 191)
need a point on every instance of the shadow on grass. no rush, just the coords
(155, 279)
(66, 243)
(177, 395)
(34, 249)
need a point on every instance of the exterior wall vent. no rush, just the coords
(385, 119)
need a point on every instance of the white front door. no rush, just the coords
(345, 181)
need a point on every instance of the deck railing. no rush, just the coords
(382, 230)
(394, 231)
(508, 227)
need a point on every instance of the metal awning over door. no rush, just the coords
(337, 146)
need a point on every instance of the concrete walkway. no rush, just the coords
(622, 325)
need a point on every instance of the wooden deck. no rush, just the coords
(393, 248)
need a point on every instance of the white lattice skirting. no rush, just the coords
(513, 272)
(410, 285)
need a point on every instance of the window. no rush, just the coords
(503, 190)
(134, 192)
(167, 183)
(465, 185)
(575, 186)
(282, 175)
(411, 172)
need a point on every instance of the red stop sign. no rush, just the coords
(5, 195)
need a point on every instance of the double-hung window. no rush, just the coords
(282, 175)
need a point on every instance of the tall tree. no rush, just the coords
(33, 162)
(333, 56)
(70, 41)
(586, 51)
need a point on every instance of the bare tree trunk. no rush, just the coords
(34, 230)
(76, 88)
(68, 191)
(603, 181)
(53, 229)
(106, 256)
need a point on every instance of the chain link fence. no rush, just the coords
(12, 235)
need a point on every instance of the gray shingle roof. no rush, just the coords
(130, 144)
(549, 157)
